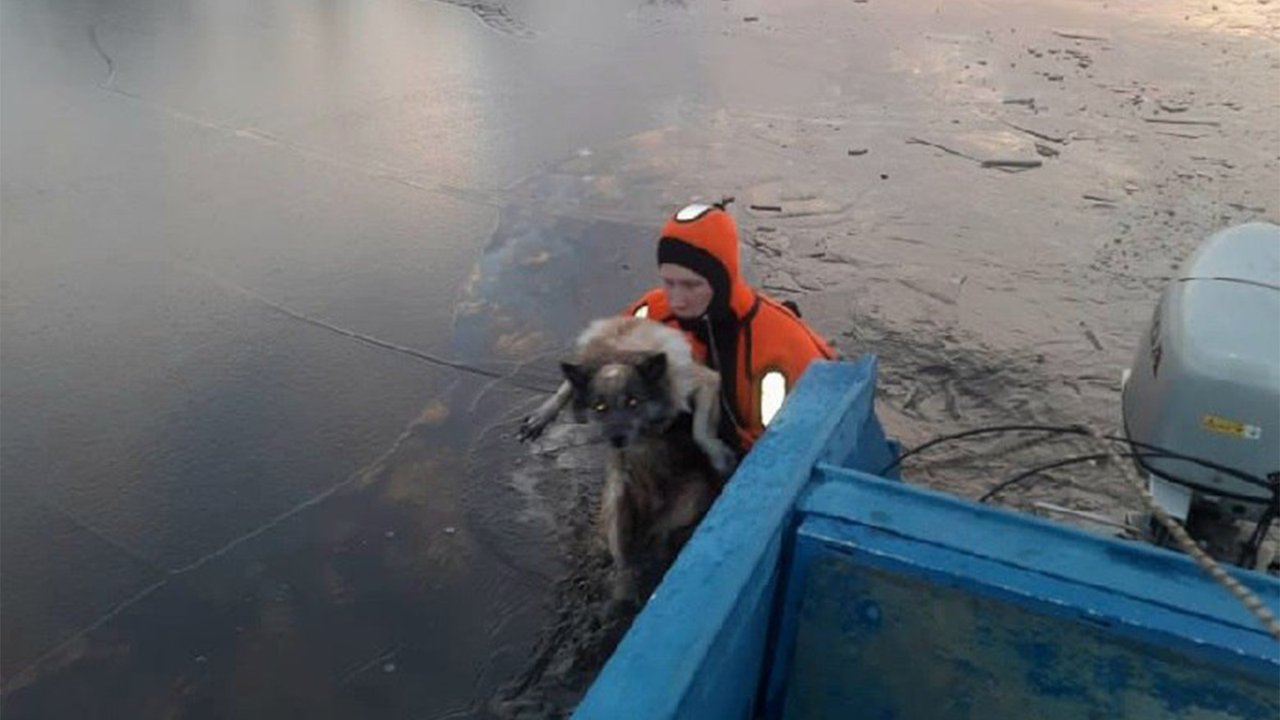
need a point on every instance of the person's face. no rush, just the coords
(688, 293)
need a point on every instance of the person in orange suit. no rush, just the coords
(759, 345)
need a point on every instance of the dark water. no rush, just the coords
(224, 495)
(416, 586)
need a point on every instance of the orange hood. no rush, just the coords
(704, 239)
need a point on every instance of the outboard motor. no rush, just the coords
(1206, 382)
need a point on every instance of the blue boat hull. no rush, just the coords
(814, 589)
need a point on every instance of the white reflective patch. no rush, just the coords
(692, 212)
(773, 390)
(642, 311)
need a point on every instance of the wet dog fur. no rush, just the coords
(636, 381)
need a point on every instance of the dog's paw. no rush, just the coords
(618, 609)
(531, 428)
(724, 460)
(624, 581)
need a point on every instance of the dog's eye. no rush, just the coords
(601, 407)
(632, 402)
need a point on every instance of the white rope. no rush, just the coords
(1247, 597)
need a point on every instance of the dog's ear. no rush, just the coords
(577, 375)
(653, 368)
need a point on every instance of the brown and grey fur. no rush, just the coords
(637, 381)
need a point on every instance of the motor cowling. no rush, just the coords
(1205, 381)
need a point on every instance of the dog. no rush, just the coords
(636, 380)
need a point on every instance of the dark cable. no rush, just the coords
(1139, 456)
(1206, 489)
(989, 430)
(1249, 550)
(1082, 431)
(1075, 460)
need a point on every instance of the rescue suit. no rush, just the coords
(759, 346)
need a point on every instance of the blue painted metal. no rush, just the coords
(912, 604)
(698, 648)
(813, 589)
(1084, 573)
(895, 632)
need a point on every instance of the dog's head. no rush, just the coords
(625, 398)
